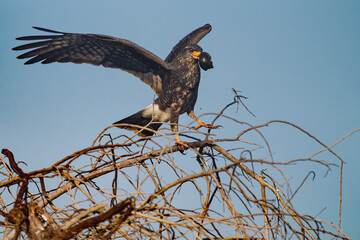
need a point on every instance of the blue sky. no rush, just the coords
(297, 61)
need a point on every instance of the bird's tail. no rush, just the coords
(145, 120)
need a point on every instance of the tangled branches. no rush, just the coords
(147, 188)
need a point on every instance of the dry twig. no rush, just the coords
(157, 193)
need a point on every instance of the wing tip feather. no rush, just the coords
(46, 30)
(207, 25)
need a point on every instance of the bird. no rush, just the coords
(175, 80)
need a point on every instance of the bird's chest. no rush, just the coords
(180, 92)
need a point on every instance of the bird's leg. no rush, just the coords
(175, 129)
(181, 143)
(201, 124)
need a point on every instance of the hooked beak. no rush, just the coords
(195, 54)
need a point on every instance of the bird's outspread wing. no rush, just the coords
(97, 50)
(192, 38)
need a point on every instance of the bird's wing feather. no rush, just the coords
(192, 38)
(97, 50)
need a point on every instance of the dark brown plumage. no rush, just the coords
(175, 80)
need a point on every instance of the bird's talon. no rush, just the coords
(205, 125)
(182, 144)
(197, 127)
(212, 127)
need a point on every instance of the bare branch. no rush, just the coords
(146, 188)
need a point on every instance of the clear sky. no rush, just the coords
(297, 61)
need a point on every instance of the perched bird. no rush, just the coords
(175, 80)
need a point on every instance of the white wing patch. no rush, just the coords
(153, 111)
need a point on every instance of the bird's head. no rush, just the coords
(195, 52)
(192, 51)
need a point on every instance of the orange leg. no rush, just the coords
(174, 128)
(181, 143)
(201, 124)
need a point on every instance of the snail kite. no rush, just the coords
(175, 80)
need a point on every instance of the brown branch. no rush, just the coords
(152, 182)
(124, 208)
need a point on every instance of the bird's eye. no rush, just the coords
(191, 50)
